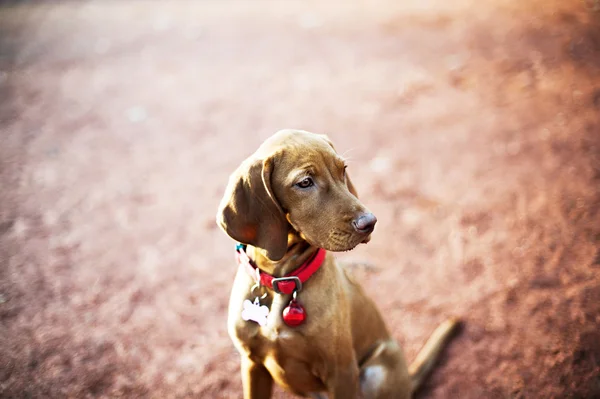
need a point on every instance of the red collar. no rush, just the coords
(282, 285)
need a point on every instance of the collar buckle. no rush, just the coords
(297, 284)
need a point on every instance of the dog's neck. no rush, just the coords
(298, 252)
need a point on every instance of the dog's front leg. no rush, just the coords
(344, 383)
(256, 379)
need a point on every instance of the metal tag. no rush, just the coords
(255, 312)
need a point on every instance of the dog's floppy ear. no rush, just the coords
(250, 213)
(348, 181)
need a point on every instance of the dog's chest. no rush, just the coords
(283, 350)
(286, 355)
(262, 341)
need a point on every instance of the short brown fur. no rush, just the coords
(344, 348)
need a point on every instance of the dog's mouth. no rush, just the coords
(336, 240)
(344, 241)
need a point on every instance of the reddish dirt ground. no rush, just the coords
(473, 130)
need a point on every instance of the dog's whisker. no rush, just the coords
(345, 155)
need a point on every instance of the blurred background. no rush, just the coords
(473, 132)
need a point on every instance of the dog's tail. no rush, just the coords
(426, 358)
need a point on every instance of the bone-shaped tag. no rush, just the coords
(255, 312)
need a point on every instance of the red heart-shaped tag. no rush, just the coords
(294, 314)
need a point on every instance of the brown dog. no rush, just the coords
(288, 200)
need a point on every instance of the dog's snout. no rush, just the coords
(365, 223)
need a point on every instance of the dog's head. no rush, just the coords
(295, 181)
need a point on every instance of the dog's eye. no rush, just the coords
(305, 183)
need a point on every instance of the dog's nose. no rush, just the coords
(365, 223)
